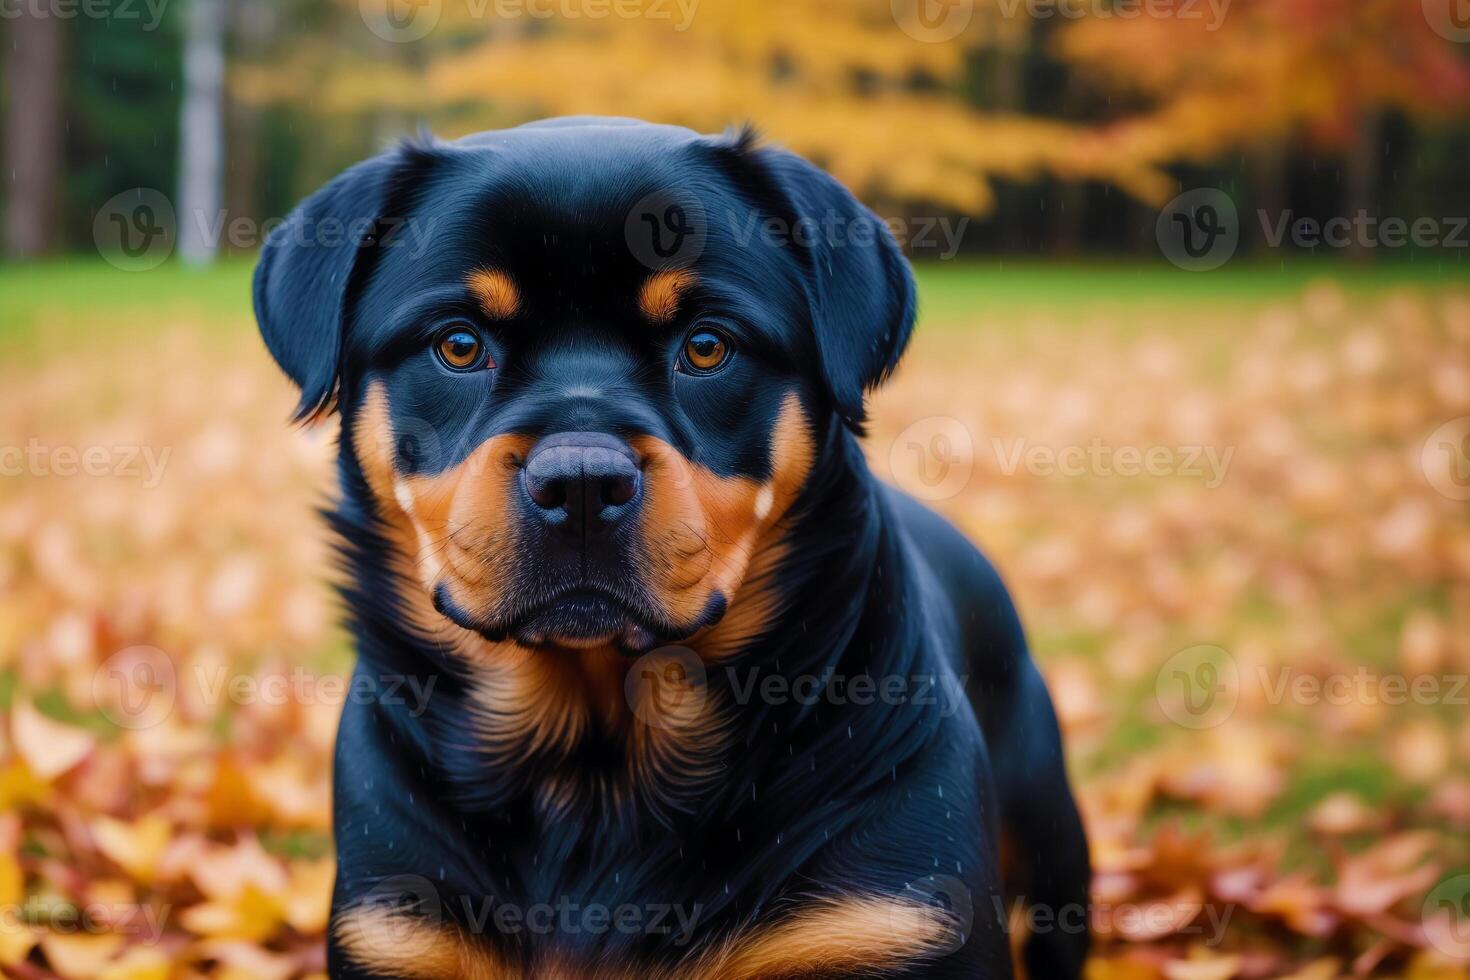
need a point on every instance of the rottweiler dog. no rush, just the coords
(703, 698)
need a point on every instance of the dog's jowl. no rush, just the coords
(601, 483)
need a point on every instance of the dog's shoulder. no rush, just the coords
(970, 589)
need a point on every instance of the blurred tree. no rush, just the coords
(33, 132)
(1035, 112)
(875, 96)
(1264, 71)
(907, 104)
(121, 110)
(202, 219)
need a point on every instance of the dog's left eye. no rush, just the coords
(460, 349)
(705, 351)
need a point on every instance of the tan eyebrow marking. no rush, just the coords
(496, 292)
(659, 297)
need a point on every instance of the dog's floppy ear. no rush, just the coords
(862, 290)
(304, 272)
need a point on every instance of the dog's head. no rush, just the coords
(586, 366)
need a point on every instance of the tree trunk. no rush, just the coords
(202, 221)
(1266, 179)
(252, 28)
(1363, 166)
(33, 131)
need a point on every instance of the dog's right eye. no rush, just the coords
(460, 349)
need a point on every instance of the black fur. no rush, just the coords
(896, 797)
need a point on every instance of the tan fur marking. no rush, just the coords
(836, 937)
(531, 702)
(399, 945)
(373, 440)
(461, 512)
(660, 295)
(450, 521)
(542, 702)
(703, 531)
(833, 937)
(756, 605)
(497, 293)
(418, 532)
(675, 749)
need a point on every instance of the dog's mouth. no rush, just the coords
(583, 618)
(578, 618)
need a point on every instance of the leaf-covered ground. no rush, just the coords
(1229, 508)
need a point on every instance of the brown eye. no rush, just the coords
(460, 349)
(705, 351)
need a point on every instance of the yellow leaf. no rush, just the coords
(295, 797)
(221, 872)
(138, 963)
(1121, 968)
(1324, 969)
(309, 897)
(12, 882)
(16, 940)
(19, 787)
(79, 955)
(251, 914)
(135, 847)
(1426, 966)
(48, 747)
(1203, 966)
(245, 960)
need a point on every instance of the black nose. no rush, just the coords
(582, 482)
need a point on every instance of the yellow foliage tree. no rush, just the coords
(881, 91)
(1268, 69)
(867, 89)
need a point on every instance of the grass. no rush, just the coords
(960, 290)
(81, 290)
(37, 299)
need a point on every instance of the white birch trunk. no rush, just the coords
(202, 134)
